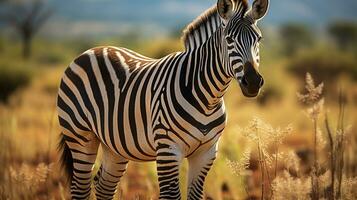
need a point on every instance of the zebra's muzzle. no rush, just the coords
(251, 82)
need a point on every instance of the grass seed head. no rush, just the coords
(313, 92)
(240, 167)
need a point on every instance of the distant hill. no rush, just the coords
(114, 17)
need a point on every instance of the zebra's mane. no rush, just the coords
(209, 16)
(202, 28)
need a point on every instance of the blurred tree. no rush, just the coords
(295, 37)
(344, 33)
(26, 17)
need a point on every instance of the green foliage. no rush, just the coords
(161, 48)
(51, 54)
(50, 58)
(295, 37)
(79, 46)
(344, 33)
(1, 43)
(325, 64)
(12, 77)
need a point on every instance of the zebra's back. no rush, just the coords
(100, 93)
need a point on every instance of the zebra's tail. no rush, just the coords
(66, 159)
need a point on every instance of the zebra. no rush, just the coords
(138, 108)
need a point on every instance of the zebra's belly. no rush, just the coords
(130, 141)
(140, 145)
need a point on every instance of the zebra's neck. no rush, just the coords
(207, 74)
(201, 29)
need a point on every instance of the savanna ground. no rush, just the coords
(256, 158)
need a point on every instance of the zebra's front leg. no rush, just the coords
(199, 165)
(111, 170)
(168, 160)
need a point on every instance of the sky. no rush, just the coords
(92, 18)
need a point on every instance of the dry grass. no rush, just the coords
(322, 180)
(270, 165)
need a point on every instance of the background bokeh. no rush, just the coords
(38, 39)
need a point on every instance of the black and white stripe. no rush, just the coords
(142, 109)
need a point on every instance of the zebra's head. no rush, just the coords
(242, 37)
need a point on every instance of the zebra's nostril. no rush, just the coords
(261, 83)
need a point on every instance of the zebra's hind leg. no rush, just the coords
(199, 165)
(78, 157)
(111, 170)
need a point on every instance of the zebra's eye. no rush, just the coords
(229, 40)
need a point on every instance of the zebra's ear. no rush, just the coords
(225, 9)
(259, 9)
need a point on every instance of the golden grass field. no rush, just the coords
(273, 134)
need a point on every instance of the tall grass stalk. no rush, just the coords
(337, 149)
(262, 136)
(331, 189)
(315, 102)
(262, 170)
(337, 145)
(315, 182)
